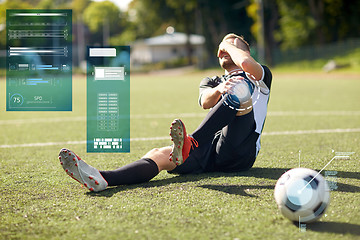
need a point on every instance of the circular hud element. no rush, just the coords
(246, 90)
(16, 100)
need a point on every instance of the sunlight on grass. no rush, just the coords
(39, 201)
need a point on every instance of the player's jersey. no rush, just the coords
(260, 97)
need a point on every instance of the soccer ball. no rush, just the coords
(302, 195)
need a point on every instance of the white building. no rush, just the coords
(165, 47)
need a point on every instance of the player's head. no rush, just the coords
(224, 59)
(240, 43)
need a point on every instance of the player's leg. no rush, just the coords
(233, 103)
(161, 157)
(141, 170)
(223, 113)
(236, 147)
(218, 117)
(137, 172)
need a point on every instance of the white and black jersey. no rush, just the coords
(227, 142)
(260, 96)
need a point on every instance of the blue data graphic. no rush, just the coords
(108, 99)
(39, 60)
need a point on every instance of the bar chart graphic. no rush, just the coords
(108, 99)
(39, 60)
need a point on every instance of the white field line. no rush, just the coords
(298, 132)
(83, 118)
(301, 132)
(314, 113)
(176, 115)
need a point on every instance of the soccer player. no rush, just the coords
(227, 140)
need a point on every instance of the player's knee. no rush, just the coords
(240, 94)
(158, 153)
(161, 157)
(153, 152)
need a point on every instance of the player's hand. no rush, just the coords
(237, 43)
(224, 87)
(222, 49)
(223, 46)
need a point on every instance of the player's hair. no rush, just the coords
(241, 38)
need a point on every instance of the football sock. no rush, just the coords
(137, 172)
(218, 117)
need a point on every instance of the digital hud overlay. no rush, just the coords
(39, 60)
(108, 99)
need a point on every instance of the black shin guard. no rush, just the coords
(137, 172)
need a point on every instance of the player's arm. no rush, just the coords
(242, 59)
(211, 96)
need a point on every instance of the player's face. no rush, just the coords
(225, 60)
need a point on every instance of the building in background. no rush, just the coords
(166, 47)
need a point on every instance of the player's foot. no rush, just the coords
(79, 170)
(240, 94)
(182, 142)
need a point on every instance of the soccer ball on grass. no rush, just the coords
(302, 195)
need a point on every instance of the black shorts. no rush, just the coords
(232, 149)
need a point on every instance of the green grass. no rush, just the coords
(39, 201)
(347, 62)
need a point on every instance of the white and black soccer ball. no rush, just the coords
(302, 195)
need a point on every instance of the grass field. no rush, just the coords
(311, 115)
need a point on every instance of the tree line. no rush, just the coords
(267, 24)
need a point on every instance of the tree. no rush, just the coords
(51, 4)
(341, 19)
(10, 4)
(316, 21)
(78, 7)
(153, 17)
(185, 12)
(269, 23)
(220, 19)
(103, 19)
(296, 23)
(205, 17)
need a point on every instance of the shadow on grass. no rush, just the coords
(268, 173)
(236, 189)
(275, 173)
(335, 227)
